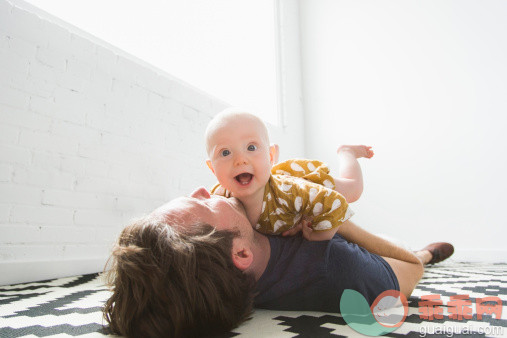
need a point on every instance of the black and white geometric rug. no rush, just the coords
(72, 307)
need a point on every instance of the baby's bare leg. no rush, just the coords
(349, 182)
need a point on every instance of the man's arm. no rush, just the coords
(375, 244)
(363, 238)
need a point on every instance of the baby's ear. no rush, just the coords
(208, 162)
(274, 152)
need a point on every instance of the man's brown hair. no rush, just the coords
(169, 284)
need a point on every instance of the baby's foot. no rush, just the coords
(358, 151)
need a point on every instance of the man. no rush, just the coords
(195, 267)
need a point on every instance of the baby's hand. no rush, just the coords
(304, 225)
(293, 231)
(308, 231)
(221, 191)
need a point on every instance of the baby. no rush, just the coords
(276, 198)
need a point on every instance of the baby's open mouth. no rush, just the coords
(244, 178)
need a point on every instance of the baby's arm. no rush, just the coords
(322, 208)
(349, 182)
(312, 235)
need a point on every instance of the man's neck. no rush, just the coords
(261, 250)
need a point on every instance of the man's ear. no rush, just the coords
(208, 162)
(274, 152)
(242, 256)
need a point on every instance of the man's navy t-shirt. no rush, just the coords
(311, 276)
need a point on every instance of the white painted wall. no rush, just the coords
(89, 138)
(424, 82)
(173, 35)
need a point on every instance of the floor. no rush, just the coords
(72, 307)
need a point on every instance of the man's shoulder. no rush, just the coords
(296, 246)
(295, 259)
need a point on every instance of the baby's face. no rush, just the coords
(239, 155)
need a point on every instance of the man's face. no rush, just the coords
(220, 212)
(239, 155)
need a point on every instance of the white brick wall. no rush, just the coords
(89, 138)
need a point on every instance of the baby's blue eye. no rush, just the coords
(252, 147)
(226, 152)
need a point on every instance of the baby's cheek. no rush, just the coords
(220, 173)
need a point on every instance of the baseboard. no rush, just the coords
(30, 271)
(481, 255)
(469, 255)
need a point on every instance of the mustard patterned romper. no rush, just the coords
(300, 188)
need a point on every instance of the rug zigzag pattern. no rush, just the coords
(73, 305)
